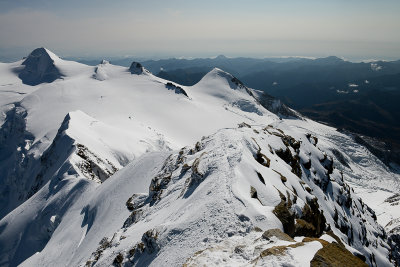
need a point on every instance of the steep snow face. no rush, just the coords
(14, 143)
(37, 221)
(371, 179)
(167, 209)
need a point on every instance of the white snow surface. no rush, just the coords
(73, 151)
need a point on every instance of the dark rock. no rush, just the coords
(303, 228)
(307, 164)
(286, 216)
(262, 159)
(312, 215)
(118, 260)
(177, 89)
(253, 192)
(136, 68)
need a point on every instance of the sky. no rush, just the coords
(353, 29)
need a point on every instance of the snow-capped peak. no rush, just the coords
(42, 51)
(219, 85)
(40, 67)
(219, 75)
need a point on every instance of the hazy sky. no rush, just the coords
(154, 28)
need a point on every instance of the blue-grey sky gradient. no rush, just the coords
(155, 28)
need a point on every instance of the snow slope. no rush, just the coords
(92, 167)
(200, 197)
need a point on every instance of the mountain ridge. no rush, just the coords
(143, 174)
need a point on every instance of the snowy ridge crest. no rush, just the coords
(241, 180)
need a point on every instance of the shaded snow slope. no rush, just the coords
(55, 214)
(39, 67)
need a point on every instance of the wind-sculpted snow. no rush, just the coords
(94, 173)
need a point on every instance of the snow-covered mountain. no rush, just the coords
(111, 165)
